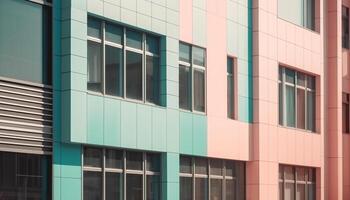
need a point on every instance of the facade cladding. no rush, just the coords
(174, 99)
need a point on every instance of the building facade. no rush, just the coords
(174, 99)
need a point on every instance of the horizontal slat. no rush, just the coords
(24, 93)
(26, 149)
(26, 128)
(16, 117)
(17, 87)
(23, 100)
(17, 123)
(22, 106)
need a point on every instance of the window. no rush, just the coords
(203, 179)
(345, 27)
(296, 99)
(231, 90)
(123, 62)
(111, 174)
(25, 176)
(346, 113)
(297, 183)
(192, 78)
(26, 41)
(300, 12)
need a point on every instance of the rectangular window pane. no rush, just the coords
(230, 189)
(92, 185)
(134, 161)
(300, 194)
(311, 111)
(153, 162)
(345, 111)
(345, 27)
(134, 187)
(184, 87)
(280, 190)
(289, 191)
(133, 39)
(114, 71)
(215, 189)
(300, 173)
(201, 166)
(230, 88)
(301, 80)
(92, 157)
(185, 165)
(230, 168)
(309, 14)
(311, 188)
(153, 188)
(199, 90)
(114, 186)
(94, 27)
(290, 106)
(133, 75)
(240, 180)
(25, 38)
(114, 159)
(152, 44)
(290, 76)
(114, 33)
(280, 103)
(201, 189)
(152, 79)
(216, 167)
(185, 188)
(289, 173)
(184, 52)
(301, 108)
(94, 66)
(198, 56)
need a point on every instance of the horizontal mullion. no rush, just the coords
(112, 44)
(186, 64)
(93, 39)
(134, 50)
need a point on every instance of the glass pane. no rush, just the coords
(301, 108)
(92, 185)
(25, 37)
(185, 188)
(290, 106)
(185, 88)
(230, 168)
(153, 162)
(92, 157)
(311, 82)
(311, 191)
(300, 194)
(185, 165)
(153, 188)
(94, 27)
(289, 191)
(133, 75)
(133, 39)
(215, 189)
(114, 159)
(201, 189)
(240, 180)
(216, 167)
(311, 111)
(133, 187)
(309, 14)
(134, 161)
(114, 33)
(346, 120)
(114, 186)
(230, 189)
(280, 192)
(312, 175)
(301, 79)
(290, 76)
(198, 56)
(289, 173)
(94, 66)
(229, 65)
(280, 103)
(184, 52)
(152, 79)
(300, 173)
(152, 44)
(114, 71)
(201, 166)
(199, 90)
(230, 97)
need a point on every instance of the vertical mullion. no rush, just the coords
(295, 100)
(82, 166)
(306, 106)
(223, 185)
(144, 186)
(284, 182)
(192, 80)
(124, 63)
(124, 175)
(295, 183)
(193, 180)
(103, 174)
(103, 58)
(208, 173)
(284, 93)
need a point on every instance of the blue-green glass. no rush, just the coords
(152, 44)
(184, 52)
(290, 76)
(133, 39)
(114, 33)
(311, 111)
(198, 56)
(24, 27)
(290, 106)
(94, 27)
(229, 65)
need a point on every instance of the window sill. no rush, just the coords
(193, 112)
(303, 27)
(298, 129)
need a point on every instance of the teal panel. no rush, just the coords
(144, 127)
(71, 161)
(56, 156)
(158, 129)
(128, 124)
(173, 130)
(199, 135)
(243, 85)
(74, 81)
(71, 189)
(186, 132)
(170, 176)
(56, 188)
(245, 109)
(172, 191)
(72, 63)
(112, 122)
(95, 119)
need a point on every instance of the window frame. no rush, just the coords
(346, 100)
(190, 65)
(345, 18)
(193, 175)
(124, 48)
(233, 113)
(282, 81)
(124, 171)
(296, 182)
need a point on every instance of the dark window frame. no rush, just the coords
(232, 97)
(345, 27)
(346, 112)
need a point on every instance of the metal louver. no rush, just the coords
(25, 117)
